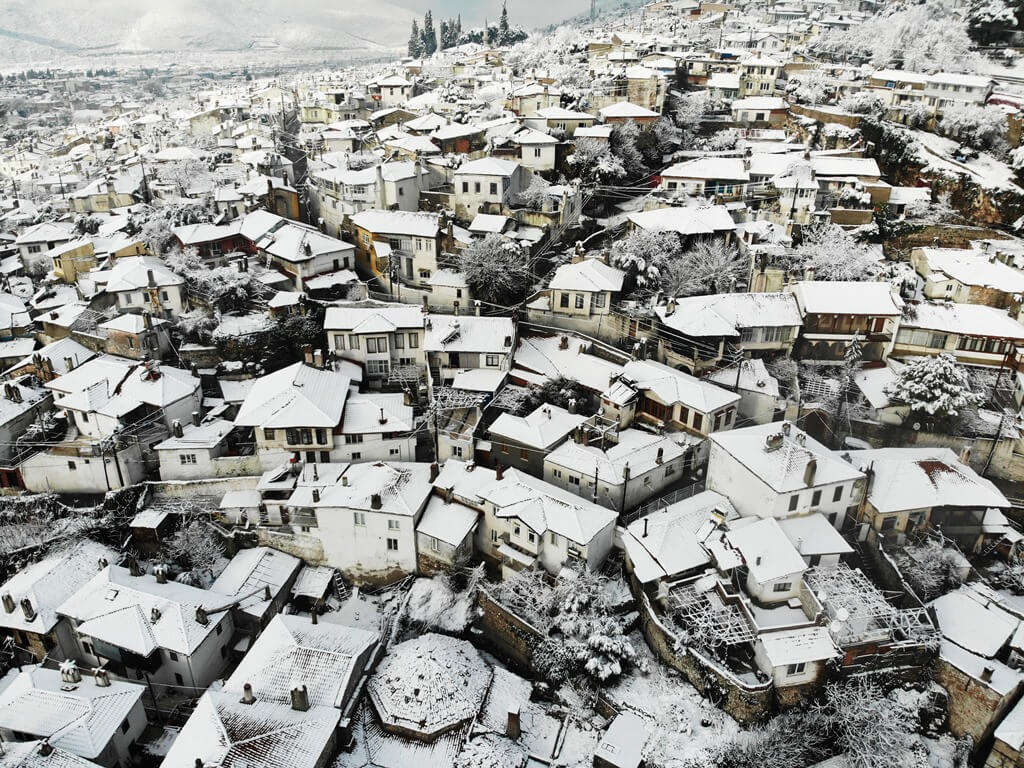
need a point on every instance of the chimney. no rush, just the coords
(201, 616)
(147, 320)
(435, 470)
(316, 495)
(176, 429)
(313, 613)
(8, 603)
(375, 502)
(645, 529)
(810, 471)
(100, 676)
(247, 697)
(660, 457)
(28, 610)
(196, 418)
(307, 353)
(69, 672)
(300, 698)
(383, 419)
(758, 561)
(154, 615)
(150, 278)
(45, 748)
(563, 343)
(986, 674)
(498, 471)
(965, 455)
(318, 358)
(160, 571)
(102, 563)
(512, 729)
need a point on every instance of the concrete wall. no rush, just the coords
(975, 709)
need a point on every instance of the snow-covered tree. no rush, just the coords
(415, 40)
(930, 568)
(981, 127)
(834, 254)
(935, 387)
(643, 255)
(490, 750)
(994, 21)
(723, 141)
(873, 731)
(196, 550)
(224, 288)
(440, 604)
(808, 87)
(625, 146)
(593, 162)
(862, 103)
(534, 196)
(690, 108)
(710, 266)
(429, 34)
(496, 269)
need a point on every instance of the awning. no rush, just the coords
(506, 550)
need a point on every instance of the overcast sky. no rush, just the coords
(524, 13)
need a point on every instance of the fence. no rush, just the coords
(663, 501)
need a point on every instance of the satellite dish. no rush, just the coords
(835, 627)
(842, 615)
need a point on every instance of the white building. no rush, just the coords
(379, 336)
(485, 186)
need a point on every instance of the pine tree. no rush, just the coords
(503, 30)
(415, 41)
(429, 34)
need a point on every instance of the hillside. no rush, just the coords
(30, 29)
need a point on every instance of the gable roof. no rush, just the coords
(545, 426)
(297, 396)
(587, 275)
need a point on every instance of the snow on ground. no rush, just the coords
(674, 710)
(938, 152)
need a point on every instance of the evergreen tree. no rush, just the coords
(429, 34)
(415, 41)
(503, 30)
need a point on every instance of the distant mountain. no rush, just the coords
(92, 26)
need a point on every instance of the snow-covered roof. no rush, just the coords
(964, 319)
(973, 623)
(376, 412)
(489, 222)
(957, 78)
(547, 425)
(295, 243)
(767, 551)
(798, 646)
(29, 754)
(487, 166)
(587, 275)
(47, 583)
(131, 323)
(671, 541)
(783, 468)
(559, 113)
(297, 396)
(82, 720)
(381, 318)
(250, 572)
(115, 386)
(118, 609)
(133, 272)
(767, 103)
(539, 358)
(685, 221)
(450, 523)
(415, 223)
(753, 377)
(323, 656)
(730, 168)
(468, 333)
(430, 684)
(626, 110)
(1011, 730)
(921, 478)
(222, 731)
(402, 488)
(671, 386)
(58, 353)
(207, 435)
(971, 267)
(841, 297)
(724, 314)
(814, 535)
(641, 451)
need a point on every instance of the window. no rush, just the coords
(164, 296)
(579, 301)
(793, 501)
(392, 545)
(530, 537)
(356, 455)
(307, 435)
(599, 300)
(339, 341)
(838, 493)
(291, 436)
(393, 451)
(573, 480)
(782, 586)
(494, 537)
(698, 421)
(268, 434)
(187, 458)
(353, 342)
(435, 544)
(224, 648)
(399, 341)
(465, 187)
(359, 518)
(394, 525)
(517, 530)
(563, 300)
(321, 436)
(670, 469)
(553, 538)
(71, 466)
(457, 451)
(414, 341)
(173, 655)
(179, 679)
(816, 498)
(377, 367)
(351, 439)
(556, 473)
(492, 360)
(311, 457)
(504, 449)
(220, 628)
(795, 669)
(476, 187)
(494, 188)
(524, 455)
(125, 726)
(325, 457)
(536, 151)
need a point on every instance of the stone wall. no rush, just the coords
(186, 489)
(975, 709)
(826, 115)
(507, 635)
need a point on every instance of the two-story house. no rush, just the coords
(380, 337)
(456, 342)
(485, 186)
(836, 312)
(400, 246)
